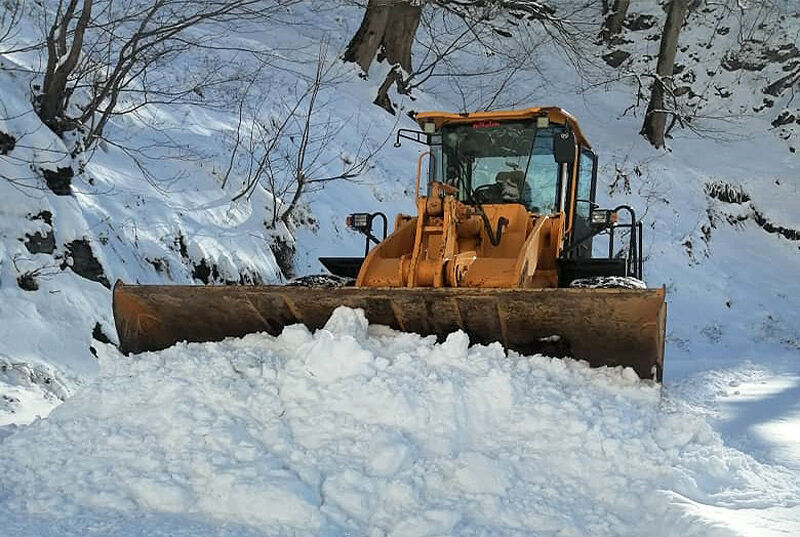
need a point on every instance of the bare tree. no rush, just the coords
(101, 50)
(505, 32)
(62, 60)
(387, 30)
(655, 119)
(749, 39)
(299, 169)
(290, 156)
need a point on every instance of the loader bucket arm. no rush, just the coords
(605, 327)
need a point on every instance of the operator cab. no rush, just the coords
(519, 161)
(494, 162)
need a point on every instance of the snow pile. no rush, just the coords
(366, 431)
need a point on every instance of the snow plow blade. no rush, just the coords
(605, 327)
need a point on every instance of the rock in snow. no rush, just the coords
(361, 430)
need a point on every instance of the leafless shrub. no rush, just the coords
(289, 155)
(102, 57)
(28, 279)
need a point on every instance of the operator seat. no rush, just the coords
(509, 185)
(513, 188)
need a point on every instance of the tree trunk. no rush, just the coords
(655, 120)
(393, 78)
(613, 23)
(61, 63)
(387, 31)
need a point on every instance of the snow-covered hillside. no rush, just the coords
(404, 437)
(153, 209)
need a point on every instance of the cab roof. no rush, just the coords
(554, 114)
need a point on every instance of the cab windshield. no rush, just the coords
(509, 162)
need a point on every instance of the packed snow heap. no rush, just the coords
(362, 430)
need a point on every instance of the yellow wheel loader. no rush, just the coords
(503, 246)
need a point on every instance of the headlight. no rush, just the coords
(358, 221)
(602, 217)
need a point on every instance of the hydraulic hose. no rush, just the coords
(494, 236)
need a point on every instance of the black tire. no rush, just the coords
(321, 281)
(608, 282)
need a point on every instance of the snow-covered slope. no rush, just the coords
(114, 225)
(150, 207)
(364, 431)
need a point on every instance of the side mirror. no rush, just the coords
(564, 147)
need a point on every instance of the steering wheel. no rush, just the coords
(485, 193)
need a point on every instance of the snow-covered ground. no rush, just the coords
(390, 434)
(366, 431)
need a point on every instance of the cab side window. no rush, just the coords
(584, 195)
